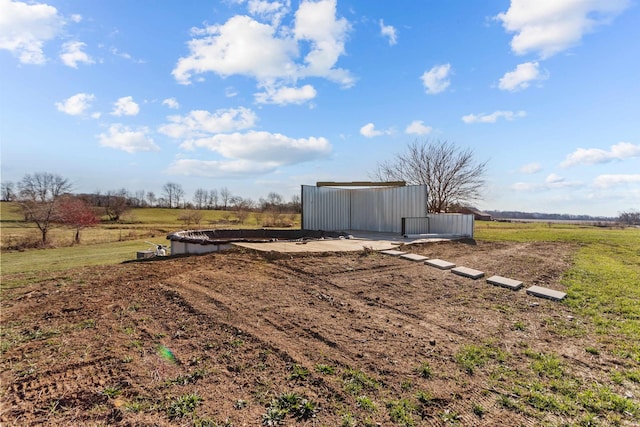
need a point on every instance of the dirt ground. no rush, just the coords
(120, 345)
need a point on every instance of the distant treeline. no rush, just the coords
(547, 216)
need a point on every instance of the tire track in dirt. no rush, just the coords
(270, 330)
(316, 284)
(57, 389)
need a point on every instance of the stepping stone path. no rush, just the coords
(438, 263)
(539, 291)
(414, 257)
(504, 282)
(392, 252)
(468, 272)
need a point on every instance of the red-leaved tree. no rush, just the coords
(77, 214)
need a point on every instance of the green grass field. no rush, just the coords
(604, 282)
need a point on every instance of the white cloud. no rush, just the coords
(72, 54)
(76, 105)
(76, 18)
(369, 130)
(171, 103)
(273, 148)
(220, 168)
(436, 80)
(240, 46)
(114, 51)
(614, 180)
(592, 156)
(125, 106)
(417, 127)
(531, 168)
(26, 27)
(549, 27)
(390, 32)
(316, 22)
(268, 52)
(123, 138)
(272, 11)
(521, 77)
(493, 117)
(286, 95)
(200, 123)
(553, 181)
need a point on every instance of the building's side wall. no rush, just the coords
(456, 224)
(325, 208)
(371, 209)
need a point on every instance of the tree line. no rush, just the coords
(46, 199)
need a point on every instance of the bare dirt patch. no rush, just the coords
(219, 338)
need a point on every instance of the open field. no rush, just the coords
(246, 338)
(140, 223)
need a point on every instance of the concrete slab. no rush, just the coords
(414, 257)
(539, 291)
(327, 245)
(393, 252)
(505, 282)
(468, 272)
(441, 264)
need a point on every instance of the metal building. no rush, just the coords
(391, 209)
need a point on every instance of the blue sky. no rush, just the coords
(260, 96)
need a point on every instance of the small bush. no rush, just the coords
(300, 373)
(424, 370)
(365, 403)
(183, 405)
(325, 369)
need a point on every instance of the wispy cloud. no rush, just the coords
(125, 106)
(493, 117)
(76, 105)
(286, 95)
(521, 77)
(614, 180)
(592, 156)
(417, 127)
(171, 103)
(436, 80)
(369, 131)
(72, 54)
(389, 32)
(126, 139)
(531, 168)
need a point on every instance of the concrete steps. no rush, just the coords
(505, 282)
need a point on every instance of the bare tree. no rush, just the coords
(225, 195)
(116, 203)
(242, 208)
(173, 194)
(151, 198)
(200, 197)
(212, 201)
(451, 175)
(632, 217)
(8, 193)
(38, 196)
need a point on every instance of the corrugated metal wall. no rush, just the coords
(457, 224)
(370, 209)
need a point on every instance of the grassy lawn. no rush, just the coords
(604, 282)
